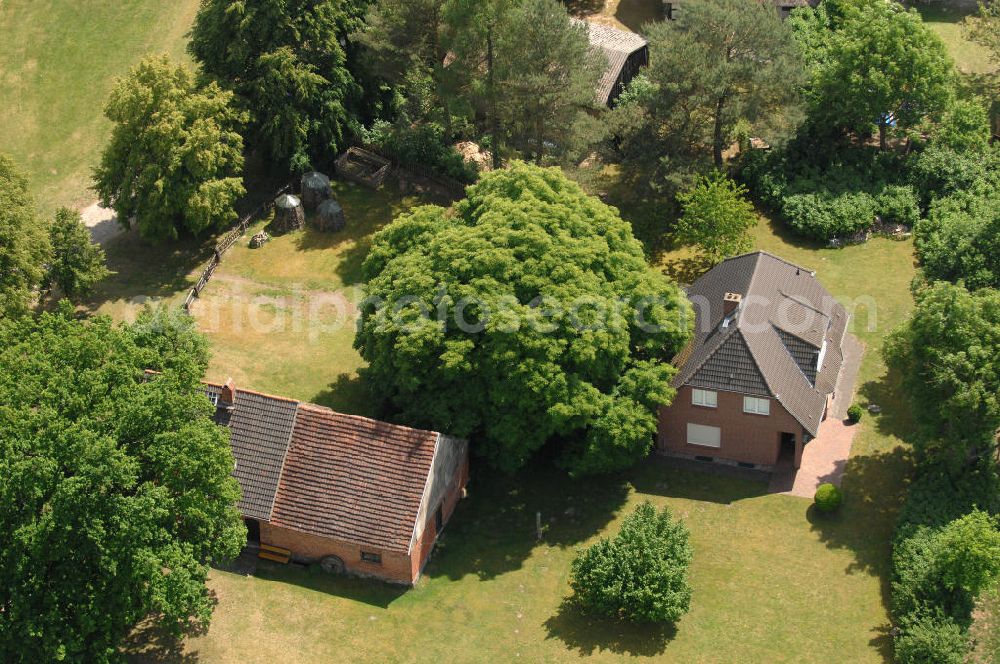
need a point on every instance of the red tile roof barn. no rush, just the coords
(353, 479)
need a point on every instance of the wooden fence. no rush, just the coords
(226, 243)
(448, 187)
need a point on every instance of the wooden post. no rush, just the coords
(538, 526)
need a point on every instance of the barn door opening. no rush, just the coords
(253, 531)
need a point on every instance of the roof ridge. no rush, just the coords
(258, 393)
(317, 408)
(764, 252)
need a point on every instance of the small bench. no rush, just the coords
(274, 553)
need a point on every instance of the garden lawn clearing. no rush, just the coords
(58, 63)
(772, 581)
(281, 318)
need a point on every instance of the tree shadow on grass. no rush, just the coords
(588, 634)
(634, 14)
(582, 8)
(493, 531)
(695, 480)
(150, 643)
(895, 418)
(874, 487)
(686, 269)
(349, 393)
(143, 269)
(366, 591)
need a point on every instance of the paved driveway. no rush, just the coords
(825, 457)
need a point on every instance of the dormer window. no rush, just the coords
(213, 397)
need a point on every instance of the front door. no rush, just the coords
(786, 451)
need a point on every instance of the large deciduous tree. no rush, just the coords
(77, 261)
(287, 60)
(882, 66)
(115, 492)
(949, 357)
(717, 217)
(722, 63)
(24, 246)
(525, 314)
(174, 163)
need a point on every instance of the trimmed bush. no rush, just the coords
(640, 575)
(828, 498)
(855, 413)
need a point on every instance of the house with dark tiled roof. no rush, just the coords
(625, 54)
(761, 371)
(351, 493)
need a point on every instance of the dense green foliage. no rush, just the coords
(421, 147)
(716, 216)
(24, 245)
(855, 413)
(77, 261)
(946, 552)
(641, 574)
(828, 498)
(286, 61)
(517, 73)
(831, 193)
(873, 63)
(721, 64)
(116, 492)
(525, 314)
(174, 163)
(948, 355)
(932, 641)
(960, 239)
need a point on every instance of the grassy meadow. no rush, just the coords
(58, 61)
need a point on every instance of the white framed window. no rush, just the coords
(707, 398)
(756, 406)
(705, 436)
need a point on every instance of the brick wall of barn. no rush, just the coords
(396, 566)
(449, 501)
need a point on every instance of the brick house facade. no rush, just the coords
(761, 371)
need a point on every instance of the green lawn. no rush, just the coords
(970, 58)
(281, 318)
(58, 61)
(772, 582)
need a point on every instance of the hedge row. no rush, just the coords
(834, 197)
